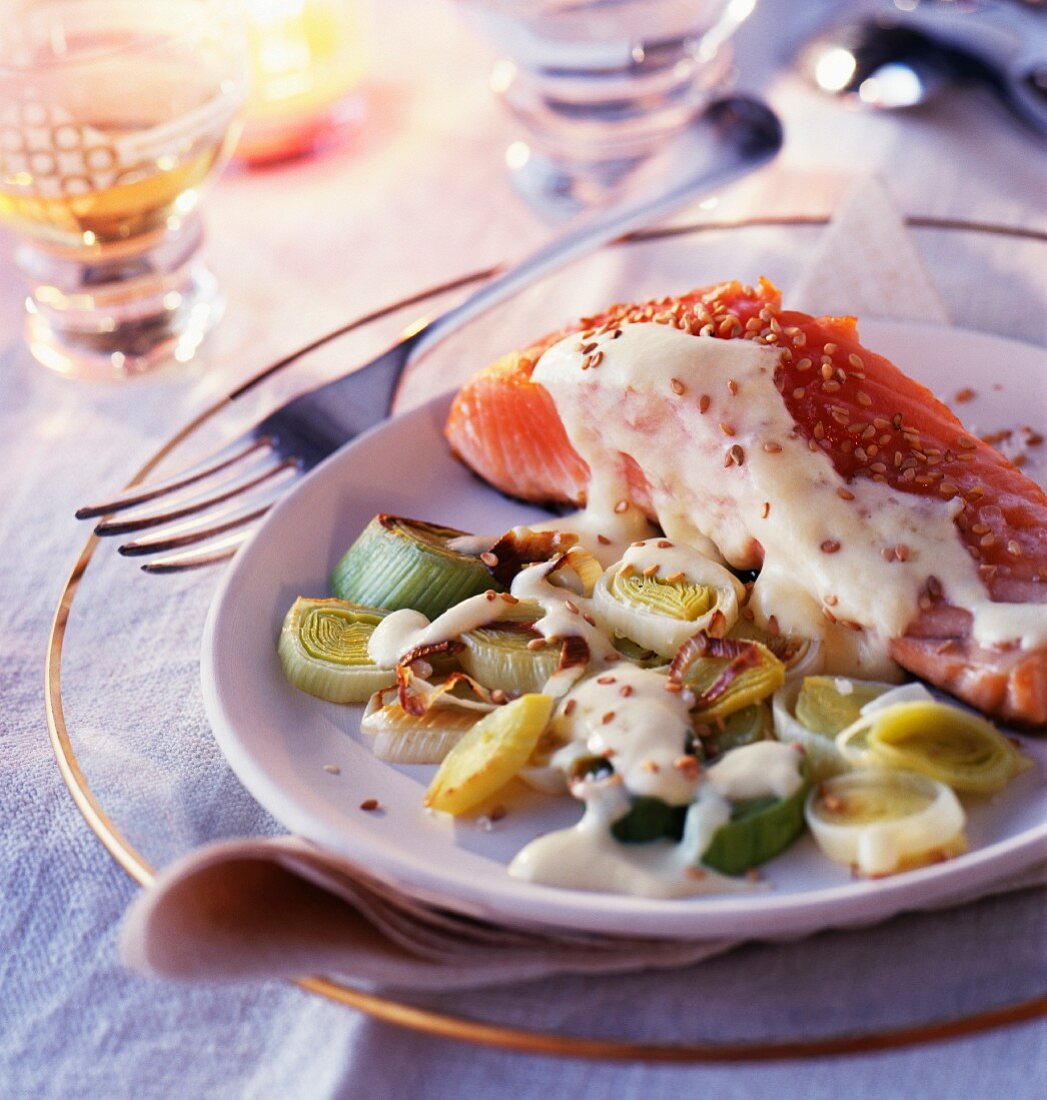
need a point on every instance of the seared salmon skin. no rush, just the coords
(870, 419)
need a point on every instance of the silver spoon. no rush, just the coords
(907, 55)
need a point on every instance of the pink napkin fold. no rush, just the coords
(281, 908)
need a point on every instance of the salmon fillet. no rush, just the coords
(865, 414)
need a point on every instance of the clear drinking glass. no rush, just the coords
(596, 86)
(113, 114)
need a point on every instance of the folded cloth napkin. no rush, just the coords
(280, 907)
(283, 908)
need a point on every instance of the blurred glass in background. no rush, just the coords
(597, 86)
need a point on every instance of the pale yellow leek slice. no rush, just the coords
(660, 613)
(725, 675)
(500, 656)
(880, 821)
(401, 738)
(490, 754)
(948, 744)
(323, 650)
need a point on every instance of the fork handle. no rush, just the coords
(732, 137)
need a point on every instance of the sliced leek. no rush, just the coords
(824, 758)
(402, 738)
(660, 598)
(490, 754)
(943, 742)
(726, 676)
(758, 830)
(500, 655)
(880, 821)
(829, 704)
(743, 727)
(323, 650)
(398, 563)
(801, 656)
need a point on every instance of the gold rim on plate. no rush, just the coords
(446, 1025)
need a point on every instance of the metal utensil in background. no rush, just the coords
(910, 50)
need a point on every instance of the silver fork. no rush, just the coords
(236, 485)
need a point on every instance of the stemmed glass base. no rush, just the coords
(122, 312)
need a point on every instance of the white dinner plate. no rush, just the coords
(278, 740)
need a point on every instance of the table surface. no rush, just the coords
(417, 198)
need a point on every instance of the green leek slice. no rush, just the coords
(398, 563)
(759, 830)
(323, 650)
(490, 754)
(499, 655)
(881, 821)
(953, 746)
(660, 614)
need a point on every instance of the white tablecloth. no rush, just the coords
(418, 198)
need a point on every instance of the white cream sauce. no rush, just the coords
(630, 718)
(712, 477)
(402, 631)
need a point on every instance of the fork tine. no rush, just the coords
(196, 559)
(157, 519)
(195, 531)
(190, 476)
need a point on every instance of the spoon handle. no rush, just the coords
(732, 137)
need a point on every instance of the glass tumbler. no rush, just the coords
(113, 114)
(597, 86)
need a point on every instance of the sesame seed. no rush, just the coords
(726, 429)
(832, 601)
(703, 403)
(536, 643)
(827, 371)
(772, 448)
(651, 570)
(830, 387)
(627, 570)
(498, 696)
(887, 553)
(597, 359)
(489, 559)
(608, 717)
(732, 386)
(677, 386)
(737, 455)
(987, 540)
(369, 804)
(798, 393)
(830, 546)
(569, 706)
(603, 540)
(625, 690)
(332, 769)
(844, 494)
(663, 544)
(490, 594)
(1013, 548)
(864, 398)
(571, 606)
(606, 680)
(855, 361)
(589, 619)
(509, 598)
(901, 552)
(621, 506)
(766, 509)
